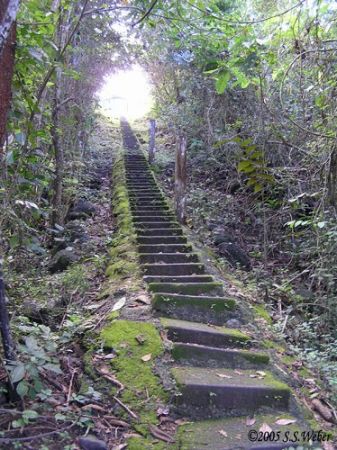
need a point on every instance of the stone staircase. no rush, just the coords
(220, 374)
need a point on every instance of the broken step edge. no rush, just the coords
(198, 333)
(206, 356)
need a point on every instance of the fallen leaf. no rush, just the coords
(143, 299)
(140, 339)
(238, 372)
(159, 434)
(118, 305)
(261, 373)
(163, 411)
(285, 421)
(223, 375)
(265, 428)
(147, 357)
(252, 375)
(250, 421)
(323, 410)
(223, 433)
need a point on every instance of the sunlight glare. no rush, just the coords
(126, 93)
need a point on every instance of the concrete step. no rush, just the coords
(199, 333)
(147, 202)
(146, 240)
(206, 356)
(201, 289)
(232, 433)
(155, 218)
(179, 279)
(153, 225)
(161, 232)
(146, 196)
(165, 248)
(173, 269)
(211, 393)
(213, 310)
(168, 258)
(164, 213)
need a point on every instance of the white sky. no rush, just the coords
(126, 93)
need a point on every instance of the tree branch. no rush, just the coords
(148, 12)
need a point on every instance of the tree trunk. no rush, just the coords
(8, 11)
(152, 140)
(180, 180)
(7, 341)
(57, 213)
(332, 177)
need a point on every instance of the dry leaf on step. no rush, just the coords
(223, 433)
(223, 375)
(147, 357)
(265, 428)
(118, 305)
(285, 421)
(261, 373)
(250, 421)
(143, 299)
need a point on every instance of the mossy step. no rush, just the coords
(165, 248)
(178, 279)
(155, 218)
(148, 202)
(232, 433)
(168, 258)
(206, 356)
(151, 209)
(213, 310)
(160, 232)
(211, 288)
(141, 196)
(164, 213)
(153, 225)
(173, 269)
(211, 393)
(199, 333)
(161, 240)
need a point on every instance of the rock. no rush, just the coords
(62, 259)
(233, 323)
(75, 231)
(82, 209)
(42, 312)
(92, 443)
(235, 255)
(219, 238)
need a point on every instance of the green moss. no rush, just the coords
(267, 343)
(261, 311)
(143, 390)
(148, 444)
(122, 269)
(256, 358)
(215, 305)
(186, 288)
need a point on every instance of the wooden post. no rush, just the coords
(180, 179)
(152, 140)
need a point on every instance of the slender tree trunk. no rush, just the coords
(57, 213)
(7, 341)
(332, 177)
(180, 179)
(152, 140)
(8, 10)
